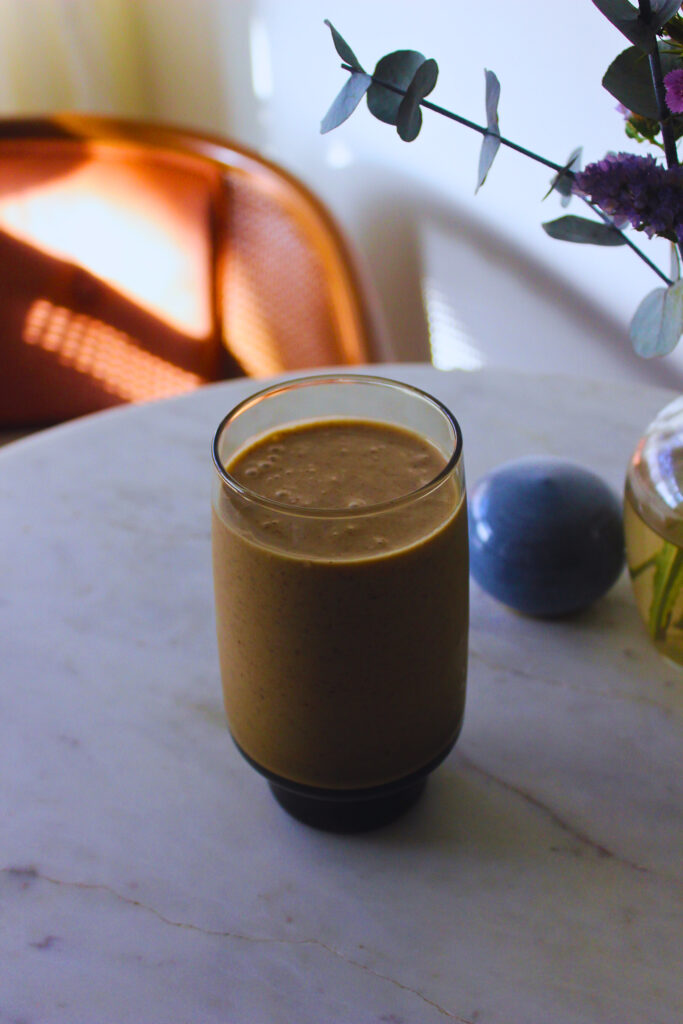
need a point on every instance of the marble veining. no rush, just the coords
(147, 875)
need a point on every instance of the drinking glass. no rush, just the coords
(342, 631)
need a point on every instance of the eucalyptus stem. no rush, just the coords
(558, 168)
(468, 124)
(668, 138)
(627, 241)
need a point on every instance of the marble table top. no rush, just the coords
(147, 874)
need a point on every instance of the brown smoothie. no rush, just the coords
(342, 638)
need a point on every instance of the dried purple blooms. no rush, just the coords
(636, 190)
(673, 84)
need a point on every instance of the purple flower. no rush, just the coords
(636, 190)
(673, 83)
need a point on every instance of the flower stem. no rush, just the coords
(663, 114)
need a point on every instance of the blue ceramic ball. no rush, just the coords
(546, 535)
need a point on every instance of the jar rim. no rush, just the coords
(254, 497)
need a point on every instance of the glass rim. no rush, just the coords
(331, 513)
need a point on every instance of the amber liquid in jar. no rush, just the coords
(343, 643)
(653, 530)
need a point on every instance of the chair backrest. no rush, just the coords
(139, 261)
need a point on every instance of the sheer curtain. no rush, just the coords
(59, 54)
(171, 60)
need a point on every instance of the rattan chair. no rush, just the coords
(139, 261)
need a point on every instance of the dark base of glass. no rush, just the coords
(352, 815)
(349, 810)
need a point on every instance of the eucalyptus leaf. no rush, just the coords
(664, 10)
(626, 18)
(343, 48)
(346, 102)
(397, 69)
(492, 100)
(487, 154)
(491, 142)
(425, 78)
(564, 182)
(409, 117)
(658, 322)
(578, 229)
(629, 80)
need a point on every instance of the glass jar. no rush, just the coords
(653, 528)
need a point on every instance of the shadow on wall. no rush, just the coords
(460, 294)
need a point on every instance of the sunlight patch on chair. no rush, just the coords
(131, 227)
(107, 356)
(249, 335)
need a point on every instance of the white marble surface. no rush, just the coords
(146, 873)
